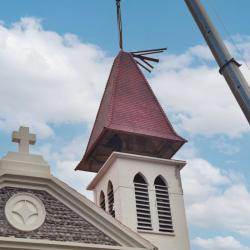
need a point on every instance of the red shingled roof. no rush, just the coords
(129, 105)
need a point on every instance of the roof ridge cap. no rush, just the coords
(114, 89)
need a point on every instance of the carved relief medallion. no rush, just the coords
(25, 212)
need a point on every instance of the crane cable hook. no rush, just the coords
(119, 22)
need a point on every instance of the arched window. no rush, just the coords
(142, 203)
(111, 208)
(102, 201)
(163, 205)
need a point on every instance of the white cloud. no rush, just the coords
(188, 151)
(47, 78)
(79, 180)
(190, 86)
(202, 180)
(63, 156)
(228, 148)
(239, 45)
(65, 163)
(218, 243)
(215, 199)
(202, 52)
(229, 210)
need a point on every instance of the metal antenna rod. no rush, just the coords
(119, 22)
(229, 68)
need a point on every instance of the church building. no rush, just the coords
(138, 196)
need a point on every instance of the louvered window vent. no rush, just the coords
(111, 208)
(142, 203)
(102, 201)
(163, 206)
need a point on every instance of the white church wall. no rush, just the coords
(121, 169)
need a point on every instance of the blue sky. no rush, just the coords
(55, 57)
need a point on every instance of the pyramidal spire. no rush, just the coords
(129, 120)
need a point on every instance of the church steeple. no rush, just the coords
(130, 119)
(130, 148)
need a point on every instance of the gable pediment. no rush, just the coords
(61, 222)
(70, 217)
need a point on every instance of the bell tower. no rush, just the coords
(131, 148)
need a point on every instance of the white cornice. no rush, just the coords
(31, 244)
(115, 155)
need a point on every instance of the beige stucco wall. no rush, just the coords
(121, 172)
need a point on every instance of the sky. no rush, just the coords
(55, 58)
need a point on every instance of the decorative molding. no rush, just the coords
(29, 244)
(25, 212)
(116, 155)
(31, 165)
(178, 178)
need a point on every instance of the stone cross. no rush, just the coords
(23, 138)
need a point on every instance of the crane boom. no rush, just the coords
(229, 68)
